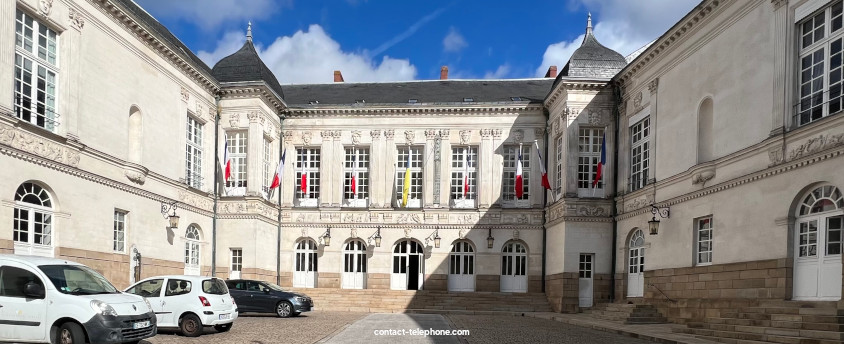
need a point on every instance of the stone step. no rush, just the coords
(645, 320)
(758, 333)
(797, 304)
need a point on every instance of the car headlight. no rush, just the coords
(102, 308)
(148, 304)
(301, 299)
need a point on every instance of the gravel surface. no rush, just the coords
(309, 327)
(511, 329)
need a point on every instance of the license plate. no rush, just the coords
(225, 316)
(140, 324)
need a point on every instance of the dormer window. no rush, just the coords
(360, 101)
(468, 99)
(413, 101)
(313, 102)
(516, 99)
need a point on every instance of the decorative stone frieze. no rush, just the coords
(234, 120)
(409, 135)
(306, 137)
(408, 218)
(444, 133)
(776, 156)
(816, 144)
(703, 176)
(465, 135)
(592, 211)
(253, 116)
(212, 113)
(185, 94)
(357, 218)
(653, 85)
(375, 134)
(136, 173)
(388, 134)
(539, 133)
(430, 134)
(75, 18)
(355, 137)
(496, 133)
(518, 135)
(37, 145)
(196, 201)
(637, 203)
(486, 133)
(637, 101)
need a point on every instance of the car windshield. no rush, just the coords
(78, 280)
(273, 287)
(214, 286)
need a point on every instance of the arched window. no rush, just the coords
(305, 272)
(705, 143)
(821, 200)
(636, 264)
(33, 220)
(135, 135)
(818, 244)
(192, 250)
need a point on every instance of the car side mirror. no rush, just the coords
(266, 291)
(33, 290)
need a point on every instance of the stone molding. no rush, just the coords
(38, 145)
(75, 18)
(412, 111)
(575, 86)
(260, 91)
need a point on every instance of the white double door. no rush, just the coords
(408, 266)
(306, 269)
(461, 267)
(514, 268)
(585, 280)
(354, 265)
(817, 258)
(636, 265)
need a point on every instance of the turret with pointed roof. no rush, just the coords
(245, 66)
(592, 59)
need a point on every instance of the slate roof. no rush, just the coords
(429, 91)
(245, 65)
(593, 59)
(151, 24)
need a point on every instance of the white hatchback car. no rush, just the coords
(188, 302)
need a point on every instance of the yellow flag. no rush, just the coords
(406, 187)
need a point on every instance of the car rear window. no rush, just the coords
(214, 286)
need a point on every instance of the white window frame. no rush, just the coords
(458, 170)
(558, 173)
(414, 196)
(588, 157)
(307, 161)
(269, 173)
(236, 259)
(238, 143)
(26, 223)
(194, 152)
(703, 240)
(359, 199)
(43, 64)
(586, 265)
(119, 237)
(820, 90)
(640, 153)
(193, 255)
(508, 178)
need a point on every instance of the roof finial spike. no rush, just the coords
(589, 24)
(249, 32)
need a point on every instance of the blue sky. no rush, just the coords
(389, 40)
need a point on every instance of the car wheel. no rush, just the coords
(284, 309)
(70, 333)
(190, 325)
(223, 328)
(296, 314)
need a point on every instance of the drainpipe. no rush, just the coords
(617, 96)
(216, 186)
(278, 229)
(545, 203)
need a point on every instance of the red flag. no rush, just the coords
(466, 174)
(545, 181)
(602, 162)
(227, 163)
(354, 175)
(519, 184)
(278, 171)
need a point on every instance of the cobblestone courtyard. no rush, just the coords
(344, 327)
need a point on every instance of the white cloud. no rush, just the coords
(453, 41)
(312, 57)
(210, 15)
(623, 26)
(501, 72)
(407, 33)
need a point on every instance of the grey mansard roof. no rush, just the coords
(432, 91)
(593, 60)
(245, 65)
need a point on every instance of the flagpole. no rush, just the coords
(278, 217)
(216, 185)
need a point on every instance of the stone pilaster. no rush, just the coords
(69, 83)
(326, 170)
(779, 30)
(445, 168)
(339, 158)
(429, 172)
(254, 154)
(496, 167)
(377, 158)
(288, 183)
(536, 188)
(389, 168)
(486, 156)
(7, 56)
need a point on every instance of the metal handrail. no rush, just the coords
(660, 291)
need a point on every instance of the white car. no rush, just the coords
(188, 302)
(47, 300)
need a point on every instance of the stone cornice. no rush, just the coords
(669, 39)
(574, 85)
(395, 111)
(157, 44)
(253, 90)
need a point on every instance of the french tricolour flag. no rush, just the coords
(303, 184)
(545, 182)
(354, 175)
(279, 171)
(466, 173)
(602, 162)
(519, 182)
(226, 163)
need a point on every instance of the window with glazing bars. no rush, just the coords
(36, 71)
(589, 155)
(307, 164)
(511, 156)
(414, 195)
(464, 162)
(193, 153)
(119, 240)
(356, 164)
(703, 236)
(640, 154)
(820, 70)
(558, 172)
(269, 169)
(237, 153)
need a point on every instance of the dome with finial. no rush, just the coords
(592, 59)
(244, 66)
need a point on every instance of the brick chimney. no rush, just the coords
(552, 72)
(444, 73)
(338, 77)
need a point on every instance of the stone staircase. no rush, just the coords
(788, 322)
(628, 313)
(397, 301)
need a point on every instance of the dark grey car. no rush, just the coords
(262, 297)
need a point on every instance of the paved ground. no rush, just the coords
(344, 327)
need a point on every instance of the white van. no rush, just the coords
(188, 303)
(47, 300)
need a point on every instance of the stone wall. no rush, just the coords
(563, 291)
(113, 266)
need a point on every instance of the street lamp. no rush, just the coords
(653, 224)
(326, 237)
(489, 239)
(376, 236)
(166, 209)
(436, 237)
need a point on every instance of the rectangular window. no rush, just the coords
(356, 164)
(237, 259)
(414, 194)
(36, 70)
(589, 155)
(511, 157)
(820, 56)
(119, 231)
(585, 265)
(640, 154)
(236, 185)
(464, 175)
(193, 155)
(307, 165)
(558, 173)
(703, 236)
(833, 235)
(269, 171)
